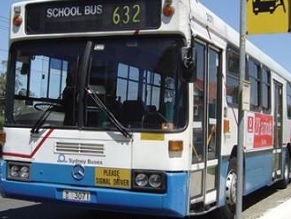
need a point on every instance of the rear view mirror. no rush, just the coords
(187, 61)
(25, 68)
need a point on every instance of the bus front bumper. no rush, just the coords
(172, 203)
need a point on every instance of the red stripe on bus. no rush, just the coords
(34, 151)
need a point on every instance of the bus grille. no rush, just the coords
(80, 148)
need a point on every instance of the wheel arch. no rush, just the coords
(289, 150)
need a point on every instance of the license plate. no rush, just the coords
(79, 196)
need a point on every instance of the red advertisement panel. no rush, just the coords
(263, 130)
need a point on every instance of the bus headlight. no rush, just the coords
(24, 172)
(155, 180)
(14, 170)
(18, 171)
(150, 181)
(141, 180)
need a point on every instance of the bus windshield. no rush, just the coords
(136, 80)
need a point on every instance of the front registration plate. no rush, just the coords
(79, 196)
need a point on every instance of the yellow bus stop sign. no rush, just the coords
(267, 16)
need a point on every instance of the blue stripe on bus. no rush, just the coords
(223, 171)
(60, 174)
(258, 170)
(258, 167)
(173, 203)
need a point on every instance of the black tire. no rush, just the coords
(282, 184)
(228, 210)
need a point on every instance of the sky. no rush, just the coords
(4, 28)
(278, 46)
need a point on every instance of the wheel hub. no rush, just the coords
(231, 185)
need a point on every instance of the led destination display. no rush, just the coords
(92, 15)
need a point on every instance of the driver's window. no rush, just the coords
(21, 79)
(40, 77)
(49, 77)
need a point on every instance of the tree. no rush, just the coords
(2, 90)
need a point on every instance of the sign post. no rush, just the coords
(240, 136)
(272, 16)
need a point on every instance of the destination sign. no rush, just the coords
(92, 15)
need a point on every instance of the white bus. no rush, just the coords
(132, 106)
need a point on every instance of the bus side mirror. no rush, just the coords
(25, 68)
(187, 61)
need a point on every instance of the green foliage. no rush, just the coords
(2, 92)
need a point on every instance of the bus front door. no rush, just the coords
(278, 120)
(206, 119)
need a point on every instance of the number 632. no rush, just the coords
(126, 14)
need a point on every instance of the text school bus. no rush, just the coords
(132, 106)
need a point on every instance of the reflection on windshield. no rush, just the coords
(137, 81)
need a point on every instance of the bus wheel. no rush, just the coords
(228, 210)
(283, 183)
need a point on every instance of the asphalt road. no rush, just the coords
(254, 207)
(257, 204)
(15, 209)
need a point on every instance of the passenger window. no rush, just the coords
(253, 69)
(232, 77)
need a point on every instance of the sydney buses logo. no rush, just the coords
(62, 158)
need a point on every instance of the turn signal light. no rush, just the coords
(175, 146)
(17, 20)
(168, 9)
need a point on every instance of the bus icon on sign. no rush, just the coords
(267, 5)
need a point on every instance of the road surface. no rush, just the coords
(267, 203)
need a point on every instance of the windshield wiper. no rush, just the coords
(109, 114)
(42, 119)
